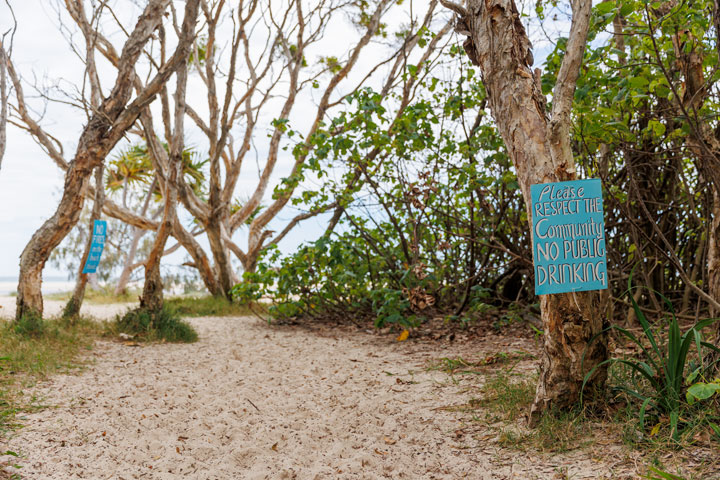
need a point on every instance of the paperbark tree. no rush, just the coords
(539, 146)
(260, 84)
(114, 117)
(236, 101)
(169, 169)
(236, 111)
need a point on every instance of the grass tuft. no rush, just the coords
(207, 306)
(163, 325)
(29, 325)
(507, 397)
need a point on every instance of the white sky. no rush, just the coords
(31, 185)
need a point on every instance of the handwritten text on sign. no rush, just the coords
(96, 249)
(568, 237)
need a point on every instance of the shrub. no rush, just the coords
(164, 324)
(30, 324)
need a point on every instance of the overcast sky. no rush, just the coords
(30, 184)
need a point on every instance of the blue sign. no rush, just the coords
(96, 248)
(568, 237)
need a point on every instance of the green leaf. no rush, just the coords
(657, 128)
(638, 82)
(702, 391)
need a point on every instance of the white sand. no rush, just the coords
(252, 401)
(54, 307)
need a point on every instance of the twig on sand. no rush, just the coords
(251, 403)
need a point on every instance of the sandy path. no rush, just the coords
(53, 308)
(249, 401)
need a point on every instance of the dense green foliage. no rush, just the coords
(431, 220)
(426, 225)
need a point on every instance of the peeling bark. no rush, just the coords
(540, 149)
(714, 260)
(106, 127)
(219, 251)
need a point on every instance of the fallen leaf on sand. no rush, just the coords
(389, 441)
(380, 452)
(274, 447)
(403, 336)
(131, 344)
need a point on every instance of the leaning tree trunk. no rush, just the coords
(51, 233)
(152, 296)
(99, 136)
(200, 260)
(127, 270)
(574, 339)
(72, 309)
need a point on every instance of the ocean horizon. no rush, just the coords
(51, 284)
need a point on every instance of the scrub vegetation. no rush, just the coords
(414, 149)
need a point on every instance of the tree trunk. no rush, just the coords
(127, 270)
(152, 296)
(219, 251)
(137, 234)
(202, 263)
(72, 309)
(714, 258)
(540, 150)
(99, 136)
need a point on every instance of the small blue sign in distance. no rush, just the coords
(568, 237)
(97, 246)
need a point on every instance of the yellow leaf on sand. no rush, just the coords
(655, 430)
(403, 336)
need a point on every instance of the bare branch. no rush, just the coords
(559, 135)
